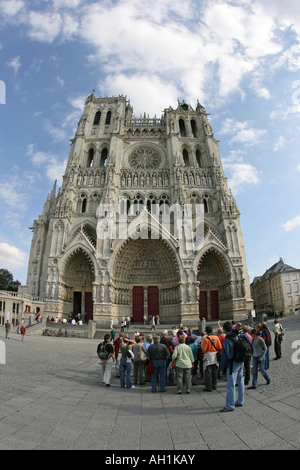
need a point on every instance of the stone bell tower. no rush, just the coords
(144, 223)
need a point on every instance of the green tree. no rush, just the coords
(7, 281)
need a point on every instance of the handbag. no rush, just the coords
(174, 364)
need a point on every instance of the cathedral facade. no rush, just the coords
(144, 223)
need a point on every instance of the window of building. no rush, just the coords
(194, 128)
(198, 158)
(103, 159)
(97, 118)
(185, 155)
(182, 128)
(108, 117)
(90, 158)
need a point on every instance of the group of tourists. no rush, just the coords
(235, 351)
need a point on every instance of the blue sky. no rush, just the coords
(239, 58)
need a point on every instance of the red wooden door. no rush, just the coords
(153, 301)
(202, 305)
(88, 306)
(214, 305)
(138, 304)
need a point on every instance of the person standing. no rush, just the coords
(7, 329)
(191, 342)
(234, 369)
(278, 339)
(259, 351)
(211, 346)
(184, 362)
(267, 337)
(117, 355)
(105, 352)
(159, 354)
(23, 332)
(126, 362)
(140, 356)
(170, 346)
(247, 362)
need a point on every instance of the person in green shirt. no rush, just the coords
(184, 363)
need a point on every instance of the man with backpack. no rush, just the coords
(236, 348)
(105, 353)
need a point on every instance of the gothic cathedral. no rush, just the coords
(144, 223)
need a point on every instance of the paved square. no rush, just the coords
(51, 398)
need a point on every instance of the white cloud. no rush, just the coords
(12, 257)
(15, 64)
(148, 90)
(240, 174)
(204, 48)
(56, 133)
(44, 26)
(11, 194)
(244, 132)
(292, 224)
(60, 80)
(54, 167)
(279, 144)
(11, 8)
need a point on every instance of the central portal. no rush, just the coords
(145, 302)
(148, 272)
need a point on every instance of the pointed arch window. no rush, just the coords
(83, 205)
(108, 117)
(182, 128)
(185, 155)
(138, 204)
(194, 128)
(103, 159)
(97, 118)
(198, 158)
(90, 158)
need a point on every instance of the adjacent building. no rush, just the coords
(277, 290)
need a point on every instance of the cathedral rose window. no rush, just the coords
(144, 158)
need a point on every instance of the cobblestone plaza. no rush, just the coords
(52, 398)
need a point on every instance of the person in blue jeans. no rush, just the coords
(126, 362)
(258, 359)
(234, 370)
(158, 353)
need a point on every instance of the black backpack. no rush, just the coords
(101, 351)
(242, 349)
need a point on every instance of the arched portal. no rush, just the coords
(147, 270)
(77, 278)
(215, 299)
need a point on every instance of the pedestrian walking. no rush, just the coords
(7, 329)
(23, 332)
(153, 325)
